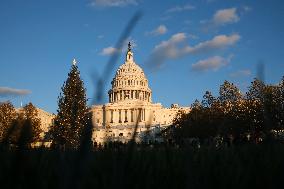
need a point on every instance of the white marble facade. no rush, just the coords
(130, 105)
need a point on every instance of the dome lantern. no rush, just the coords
(129, 54)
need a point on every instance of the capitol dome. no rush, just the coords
(130, 82)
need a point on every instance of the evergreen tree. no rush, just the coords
(72, 113)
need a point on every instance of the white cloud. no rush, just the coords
(113, 3)
(176, 47)
(220, 18)
(241, 73)
(169, 48)
(218, 42)
(7, 91)
(225, 16)
(160, 30)
(180, 8)
(213, 63)
(109, 51)
(112, 50)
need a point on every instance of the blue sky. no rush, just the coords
(184, 47)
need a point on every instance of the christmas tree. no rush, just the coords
(72, 113)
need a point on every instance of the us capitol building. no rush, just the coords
(130, 109)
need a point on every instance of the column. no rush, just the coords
(126, 116)
(119, 116)
(115, 119)
(135, 114)
(147, 95)
(136, 94)
(131, 115)
(111, 116)
(122, 115)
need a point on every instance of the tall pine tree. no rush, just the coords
(72, 113)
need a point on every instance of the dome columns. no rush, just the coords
(116, 96)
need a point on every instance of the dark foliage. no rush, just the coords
(21, 128)
(234, 117)
(7, 117)
(246, 166)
